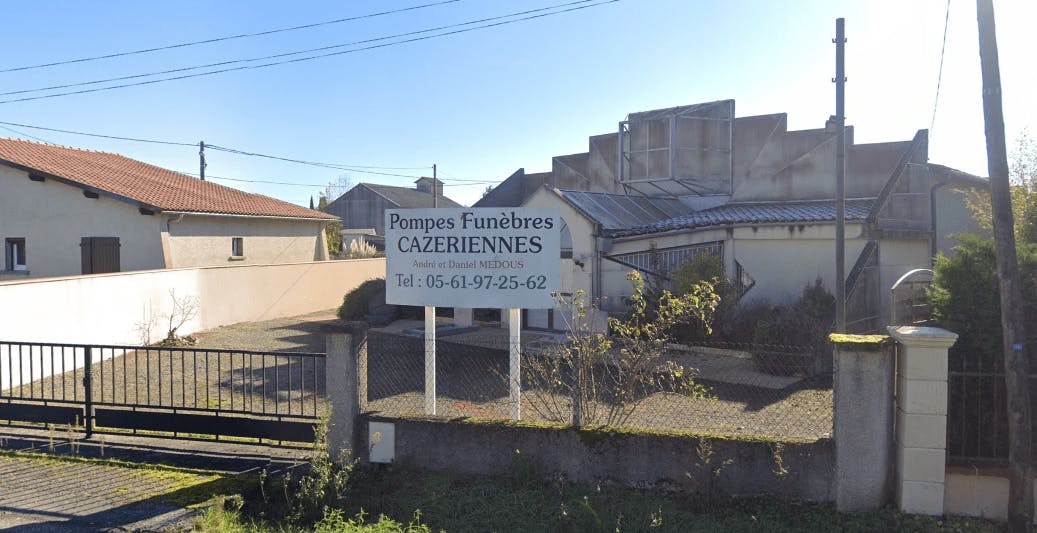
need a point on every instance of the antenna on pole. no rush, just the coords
(435, 187)
(201, 160)
(840, 176)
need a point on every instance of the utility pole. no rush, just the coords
(201, 160)
(840, 176)
(1013, 325)
(435, 187)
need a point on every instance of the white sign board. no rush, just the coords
(472, 257)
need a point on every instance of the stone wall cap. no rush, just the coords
(860, 342)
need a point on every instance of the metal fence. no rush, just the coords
(116, 380)
(977, 414)
(724, 388)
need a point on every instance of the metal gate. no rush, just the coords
(183, 392)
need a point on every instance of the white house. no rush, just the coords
(66, 211)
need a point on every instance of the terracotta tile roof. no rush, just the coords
(146, 184)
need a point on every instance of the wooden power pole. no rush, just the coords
(201, 160)
(1013, 325)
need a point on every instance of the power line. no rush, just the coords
(227, 38)
(311, 163)
(364, 169)
(270, 182)
(275, 56)
(319, 56)
(939, 75)
(134, 139)
(23, 134)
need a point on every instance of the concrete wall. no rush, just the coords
(953, 216)
(198, 241)
(107, 308)
(977, 492)
(635, 459)
(52, 217)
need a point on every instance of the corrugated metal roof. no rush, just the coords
(619, 211)
(754, 213)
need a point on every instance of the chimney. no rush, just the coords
(424, 184)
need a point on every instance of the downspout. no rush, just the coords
(169, 220)
(932, 216)
(167, 249)
(596, 278)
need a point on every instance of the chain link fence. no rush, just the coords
(722, 388)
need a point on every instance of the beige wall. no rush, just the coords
(953, 216)
(198, 240)
(781, 258)
(107, 308)
(52, 218)
(572, 277)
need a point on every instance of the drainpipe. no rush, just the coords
(167, 248)
(169, 221)
(932, 217)
(602, 246)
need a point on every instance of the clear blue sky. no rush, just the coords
(484, 103)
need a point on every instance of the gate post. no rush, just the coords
(921, 441)
(346, 377)
(862, 420)
(88, 388)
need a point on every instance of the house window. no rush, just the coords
(14, 251)
(237, 247)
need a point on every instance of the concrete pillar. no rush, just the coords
(921, 440)
(346, 384)
(863, 420)
(463, 317)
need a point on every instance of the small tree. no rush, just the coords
(1023, 176)
(602, 379)
(333, 230)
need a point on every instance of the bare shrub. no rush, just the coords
(601, 379)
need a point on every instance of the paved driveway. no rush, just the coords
(53, 489)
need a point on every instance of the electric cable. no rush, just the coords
(319, 56)
(225, 38)
(276, 56)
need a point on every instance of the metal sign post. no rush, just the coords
(473, 257)
(430, 360)
(514, 363)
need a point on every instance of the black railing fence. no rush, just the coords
(159, 380)
(977, 412)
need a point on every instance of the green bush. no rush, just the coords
(356, 304)
(705, 267)
(965, 296)
(793, 337)
(965, 299)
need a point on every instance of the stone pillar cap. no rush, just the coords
(922, 336)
